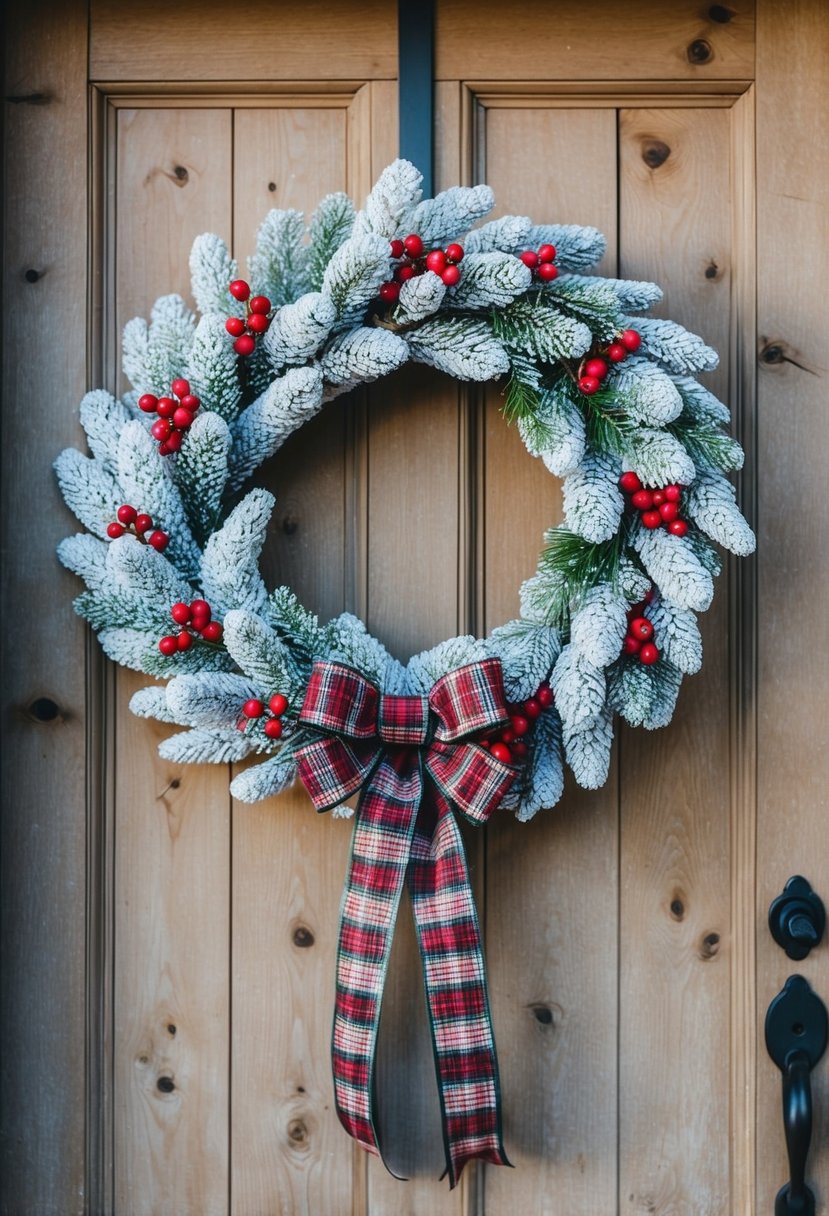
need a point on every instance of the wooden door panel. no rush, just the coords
(172, 825)
(676, 226)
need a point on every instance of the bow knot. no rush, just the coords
(413, 759)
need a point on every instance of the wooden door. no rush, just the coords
(173, 952)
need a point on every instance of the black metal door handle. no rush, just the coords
(796, 1034)
(797, 918)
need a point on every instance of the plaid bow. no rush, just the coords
(413, 761)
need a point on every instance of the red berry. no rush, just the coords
(669, 512)
(189, 402)
(630, 339)
(114, 531)
(200, 608)
(200, 622)
(389, 292)
(658, 498)
(631, 645)
(651, 519)
(520, 724)
(180, 387)
(273, 728)
(648, 596)
(142, 523)
(678, 527)
(642, 500)
(547, 272)
(529, 258)
(413, 245)
(544, 696)
(641, 628)
(454, 252)
(180, 613)
(239, 289)
(532, 708)
(630, 483)
(520, 749)
(397, 249)
(161, 429)
(648, 654)
(451, 275)
(597, 368)
(278, 704)
(212, 631)
(672, 493)
(166, 407)
(159, 540)
(484, 743)
(616, 353)
(127, 514)
(173, 443)
(244, 345)
(235, 326)
(253, 708)
(258, 323)
(147, 403)
(404, 273)
(589, 385)
(501, 752)
(182, 418)
(546, 253)
(168, 645)
(164, 449)
(436, 260)
(507, 736)
(185, 640)
(260, 304)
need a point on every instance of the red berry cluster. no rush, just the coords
(541, 263)
(197, 616)
(594, 370)
(658, 508)
(256, 320)
(443, 262)
(640, 632)
(254, 708)
(137, 524)
(510, 745)
(175, 415)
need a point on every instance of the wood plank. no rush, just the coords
(172, 880)
(204, 40)
(793, 569)
(551, 887)
(289, 1153)
(43, 999)
(592, 41)
(675, 228)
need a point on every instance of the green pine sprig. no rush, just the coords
(706, 444)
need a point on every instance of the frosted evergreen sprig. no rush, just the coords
(339, 315)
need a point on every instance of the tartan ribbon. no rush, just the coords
(412, 760)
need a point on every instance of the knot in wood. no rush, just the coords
(710, 946)
(700, 51)
(165, 1084)
(297, 1132)
(44, 710)
(721, 14)
(303, 937)
(655, 152)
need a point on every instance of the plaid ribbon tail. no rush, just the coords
(456, 990)
(380, 850)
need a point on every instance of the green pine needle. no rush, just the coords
(609, 427)
(570, 566)
(706, 444)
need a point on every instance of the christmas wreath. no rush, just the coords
(608, 401)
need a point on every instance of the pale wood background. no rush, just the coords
(158, 932)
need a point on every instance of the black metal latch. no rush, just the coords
(796, 1031)
(797, 918)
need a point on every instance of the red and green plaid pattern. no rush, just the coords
(405, 831)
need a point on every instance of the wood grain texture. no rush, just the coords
(551, 890)
(278, 41)
(289, 1153)
(793, 769)
(42, 999)
(675, 227)
(640, 41)
(172, 858)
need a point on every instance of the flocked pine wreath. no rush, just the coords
(608, 399)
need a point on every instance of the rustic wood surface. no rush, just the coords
(43, 838)
(793, 584)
